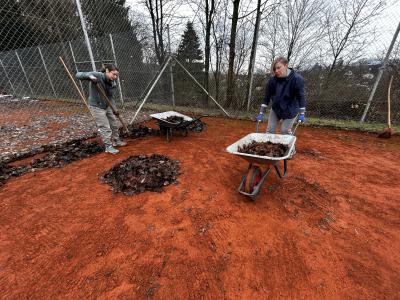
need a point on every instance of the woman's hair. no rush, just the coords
(279, 59)
(109, 68)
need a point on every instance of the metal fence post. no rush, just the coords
(116, 64)
(47, 72)
(87, 40)
(378, 78)
(200, 86)
(76, 67)
(23, 71)
(151, 89)
(170, 71)
(8, 78)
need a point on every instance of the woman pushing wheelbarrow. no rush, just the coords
(286, 89)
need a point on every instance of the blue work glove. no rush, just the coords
(302, 118)
(260, 117)
(93, 79)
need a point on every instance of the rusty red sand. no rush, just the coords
(329, 230)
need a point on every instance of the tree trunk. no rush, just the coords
(253, 54)
(207, 49)
(230, 91)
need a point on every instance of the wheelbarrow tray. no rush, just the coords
(288, 140)
(161, 118)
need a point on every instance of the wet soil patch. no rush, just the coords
(264, 149)
(137, 174)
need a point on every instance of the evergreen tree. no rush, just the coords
(190, 55)
(189, 51)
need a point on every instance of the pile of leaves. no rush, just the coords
(137, 131)
(137, 174)
(264, 149)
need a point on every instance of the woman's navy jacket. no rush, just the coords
(287, 94)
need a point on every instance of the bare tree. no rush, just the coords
(295, 30)
(161, 13)
(346, 24)
(155, 8)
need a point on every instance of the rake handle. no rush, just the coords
(389, 92)
(73, 81)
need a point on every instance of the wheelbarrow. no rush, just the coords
(167, 127)
(252, 181)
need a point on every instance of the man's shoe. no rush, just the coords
(119, 143)
(111, 149)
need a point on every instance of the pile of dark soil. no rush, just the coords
(55, 156)
(264, 149)
(138, 131)
(137, 174)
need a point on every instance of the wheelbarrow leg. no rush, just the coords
(169, 134)
(284, 169)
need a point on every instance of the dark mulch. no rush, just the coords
(137, 131)
(137, 174)
(67, 154)
(55, 156)
(174, 119)
(196, 126)
(264, 149)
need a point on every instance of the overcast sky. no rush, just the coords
(385, 26)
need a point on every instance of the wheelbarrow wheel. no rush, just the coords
(253, 178)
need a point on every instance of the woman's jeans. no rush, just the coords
(273, 120)
(107, 125)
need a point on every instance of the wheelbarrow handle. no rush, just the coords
(293, 131)
(258, 126)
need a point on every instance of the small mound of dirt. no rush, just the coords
(138, 131)
(264, 149)
(137, 174)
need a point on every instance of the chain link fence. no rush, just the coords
(39, 104)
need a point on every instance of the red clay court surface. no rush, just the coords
(330, 229)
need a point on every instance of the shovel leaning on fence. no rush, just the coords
(100, 91)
